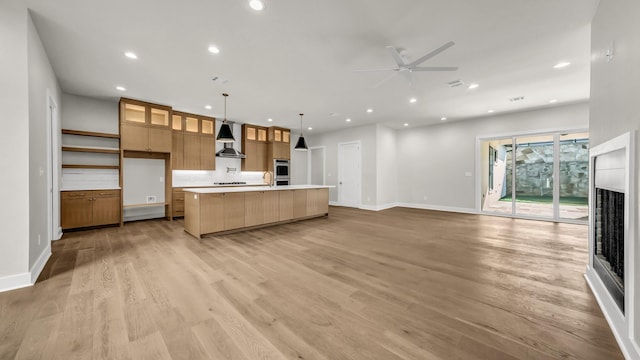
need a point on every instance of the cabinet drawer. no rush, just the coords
(106, 193)
(178, 196)
(66, 195)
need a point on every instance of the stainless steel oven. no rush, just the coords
(281, 169)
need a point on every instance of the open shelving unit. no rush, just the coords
(91, 149)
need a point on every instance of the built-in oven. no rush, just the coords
(282, 182)
(281, 169)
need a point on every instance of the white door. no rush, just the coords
(349, 174)
(316, 168)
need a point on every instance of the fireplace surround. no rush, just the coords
(613, 248)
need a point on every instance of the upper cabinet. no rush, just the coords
(279, 144)
(145, 126)
(254, 146)
(194, 144)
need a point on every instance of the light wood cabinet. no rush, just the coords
(212, 215)
(317, 201)
(144, 126)
(299, 203)
(89, 208)
(254, 146)
(177, 201)
(271, 207)
(278, 146)
(285, 206)
(233, 210)
(254, 208)
(196, 144)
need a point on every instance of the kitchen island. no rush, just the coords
(214, 210)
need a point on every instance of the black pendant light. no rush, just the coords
(301, 145)
(225, 134)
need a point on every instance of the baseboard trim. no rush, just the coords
(438, 208)
(58, 235)
(615, 319)
(38, 266)
(16, 281)
(378, 207)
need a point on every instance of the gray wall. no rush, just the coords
(89, 114)
(615, 86)
(386, 166)
(14, 99)
(42, 84)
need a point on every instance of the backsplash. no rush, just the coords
(90, 179)
(227, 170)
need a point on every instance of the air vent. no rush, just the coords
(517, 98)
(455, 83)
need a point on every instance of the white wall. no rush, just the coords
(615, 86)
(386, 167)
(89, 114)
(14, 101)
(433, 161)
(367, 135)
(42, 85)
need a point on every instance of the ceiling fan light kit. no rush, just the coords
(408, 68)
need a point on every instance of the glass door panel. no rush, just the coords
(496, 191)
(533, 176)
(574, 176)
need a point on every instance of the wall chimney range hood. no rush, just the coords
(228, 151)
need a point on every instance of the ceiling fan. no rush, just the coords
(407, 68)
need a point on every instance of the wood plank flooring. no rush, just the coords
(395, 284)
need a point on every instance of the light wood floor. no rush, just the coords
(395, 284)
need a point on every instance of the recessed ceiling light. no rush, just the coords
(561, 65)
(490, 111)
(473, 86)
(347, 119)
(369, 110)
(310, 128)
(553, 101)
(413, 100)
(269, 119)
(214, 49)
(208, 107)
(130, 55)
(443, 118)
(121, 88)
(405, 124)
(256, 5)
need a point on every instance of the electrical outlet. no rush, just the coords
(424, 198)
(152, 199)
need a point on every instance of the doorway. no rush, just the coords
(538, 176)
(54, 232)
(316, 165)
(349, 174)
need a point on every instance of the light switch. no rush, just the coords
(467, 174)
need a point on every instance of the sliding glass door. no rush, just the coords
(541, 176)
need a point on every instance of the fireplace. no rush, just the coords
(613, 244)
(608, 233)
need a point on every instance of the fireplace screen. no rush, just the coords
(609, 241)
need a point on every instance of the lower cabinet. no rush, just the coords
(177, 202)
(89, 208)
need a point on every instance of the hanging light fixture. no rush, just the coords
(225, 134)
(301, 145)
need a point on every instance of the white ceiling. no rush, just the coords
(300, 56)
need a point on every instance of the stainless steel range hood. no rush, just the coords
(228, 151)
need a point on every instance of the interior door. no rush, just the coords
(316, 166)
(349, 174)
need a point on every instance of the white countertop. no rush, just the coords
(220, 186)
(218, 190)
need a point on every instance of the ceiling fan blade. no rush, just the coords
(384, 80)
(396, 56)
(435, 68)
(370, 70)
(432, 54)
(410, 78)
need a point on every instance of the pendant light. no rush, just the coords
(301, 145)
(225, 134)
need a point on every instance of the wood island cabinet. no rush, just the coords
(144, 126)
(89, 208)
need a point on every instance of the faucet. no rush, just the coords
(268, 177)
